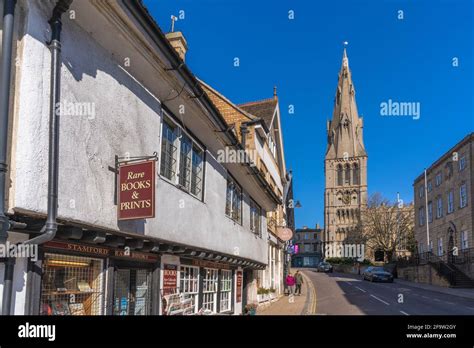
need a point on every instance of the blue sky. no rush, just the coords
(407, 60)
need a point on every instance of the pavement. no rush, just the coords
(304, 304)
(348, 294)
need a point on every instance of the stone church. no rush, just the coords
(345, 163)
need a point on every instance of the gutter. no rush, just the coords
(5, 81)
(48, 232)
(143, 17)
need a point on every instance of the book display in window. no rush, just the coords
(71, 285)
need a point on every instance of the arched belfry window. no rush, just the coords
(339, 175)
(347, 177)
(355, 174)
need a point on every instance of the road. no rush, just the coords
(345, 294)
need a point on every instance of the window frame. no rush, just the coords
(176, 179)
(190, 281)
(461, 196)
(212, 281)
(439, 207)
(464, 240)
(230, 214)
(225, 290)
(462, 163)
(450, 202)
(421, 216)
(438, 179)
(430, 211)
(255, 226)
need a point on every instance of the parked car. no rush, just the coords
(377, 274)
(324, 267)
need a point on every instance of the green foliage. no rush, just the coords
(264, 291)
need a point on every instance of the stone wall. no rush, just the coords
(422, 274)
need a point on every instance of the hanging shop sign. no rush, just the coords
(284, 233)
(239, 287)
(170, 279)
(136, 191)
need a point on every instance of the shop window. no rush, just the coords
(226, 291)
(209, 287)
(189, 285)
(132, 295)
(71, 285)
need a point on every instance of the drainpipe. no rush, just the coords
(7, 51)
(50, 228)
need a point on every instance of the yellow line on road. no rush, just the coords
(312, 307)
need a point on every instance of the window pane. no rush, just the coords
(196, 174)
(185, 162)
(168, 151)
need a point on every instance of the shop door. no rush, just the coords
(132, 292)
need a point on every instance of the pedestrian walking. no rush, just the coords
(290, 283)
(299, 282)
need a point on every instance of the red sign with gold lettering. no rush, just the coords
(136, 191)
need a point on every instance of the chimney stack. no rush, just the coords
(177, 40)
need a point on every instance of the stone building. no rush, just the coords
(309, 247)
(345, 162)
(126, 97)
(444, 208)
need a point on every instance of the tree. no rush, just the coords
(387, 226)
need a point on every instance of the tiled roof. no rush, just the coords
(262, 108)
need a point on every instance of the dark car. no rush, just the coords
(377, 274)
(324, 267)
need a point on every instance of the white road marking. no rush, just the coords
(451, 303)
(405, 313)
(388, 304)
(437, 300)
(348, 283)
(470, 307)
(425, 297)
(361, 289)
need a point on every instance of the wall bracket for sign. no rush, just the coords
(127, 160)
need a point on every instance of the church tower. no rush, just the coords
(345, 164)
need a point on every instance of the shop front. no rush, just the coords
(81, 279)
(191, 286)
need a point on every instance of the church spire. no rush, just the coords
(345, 129)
